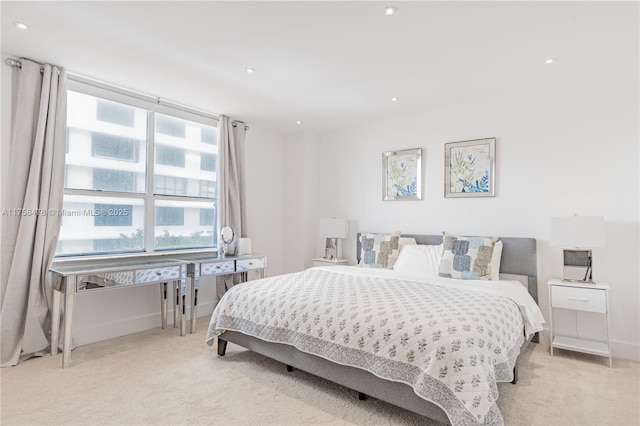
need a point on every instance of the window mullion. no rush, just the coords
(149, 203)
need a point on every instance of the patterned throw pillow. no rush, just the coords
(379, 250)
(467, 258)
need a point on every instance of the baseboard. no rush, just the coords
(124, 326)
(625, 350)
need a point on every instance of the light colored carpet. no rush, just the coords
(157, 377)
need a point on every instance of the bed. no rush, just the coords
(435, 346)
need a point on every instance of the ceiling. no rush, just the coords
(330, 65)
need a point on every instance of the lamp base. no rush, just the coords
(577, 265)
(332, 249)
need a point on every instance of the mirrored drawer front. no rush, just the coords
(157, 274)
(215, 268)
(106, 279)
(248, 264)
(580, 299)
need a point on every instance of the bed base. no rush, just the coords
(362, 381)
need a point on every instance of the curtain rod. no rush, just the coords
(16, 63)
(123, 90)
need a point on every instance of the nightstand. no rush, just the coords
(321, 261)
(579, 297)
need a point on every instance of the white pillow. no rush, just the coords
(393, 257)
(420, 259)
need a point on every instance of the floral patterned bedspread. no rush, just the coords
(451, 344)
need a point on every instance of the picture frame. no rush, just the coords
(470, 168)
(402, 175)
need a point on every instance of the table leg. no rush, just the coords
(55, 322)
(176, 303)
(69, 305)
(163, 304)
(195, 282)
(183, 307)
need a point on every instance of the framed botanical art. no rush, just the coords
(469, 168)
(402, 175)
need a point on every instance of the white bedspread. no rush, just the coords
(451, 340)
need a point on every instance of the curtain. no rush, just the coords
(32, 221)
(231, 185)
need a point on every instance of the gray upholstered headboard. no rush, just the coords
(518, 256)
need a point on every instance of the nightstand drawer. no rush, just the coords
(249, 264)
(580, 299)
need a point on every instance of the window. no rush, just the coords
(209, 136)
(178, 224)
(112, 215)
(169, 156)
(115, 113)
(207, 217)
(113, 180)
(170, 185)
(112, 202)
(112, 146)
(169, 216)
(207, 189)
(170, 126)
(208, 162)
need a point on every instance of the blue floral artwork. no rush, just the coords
(402, 174)
(470, 168)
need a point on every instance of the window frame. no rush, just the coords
(153, 106)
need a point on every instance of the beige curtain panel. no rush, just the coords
(30, 227)
(231, 187)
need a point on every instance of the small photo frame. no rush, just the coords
(469, 168)
(402, 175)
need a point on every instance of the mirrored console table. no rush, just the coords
(75, 278)
(212, 265)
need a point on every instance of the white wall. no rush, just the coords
(562, 149)
(299, 205)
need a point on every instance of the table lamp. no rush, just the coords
(334, 230)
(578, 235)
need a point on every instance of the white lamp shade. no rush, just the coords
(334, 228)
(577, 231)
(244, 246)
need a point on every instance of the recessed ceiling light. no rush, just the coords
(298, 122)
(21, 25)
(390, 10)
(250, 70)
(550, 61)
(394, 99)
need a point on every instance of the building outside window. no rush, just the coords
(113, 112)
(110, 146)
(208, 162)
(170, 156)
(133, 187)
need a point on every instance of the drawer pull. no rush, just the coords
(578, 299)
(158, 273)
(217, 266)
(250, 263)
